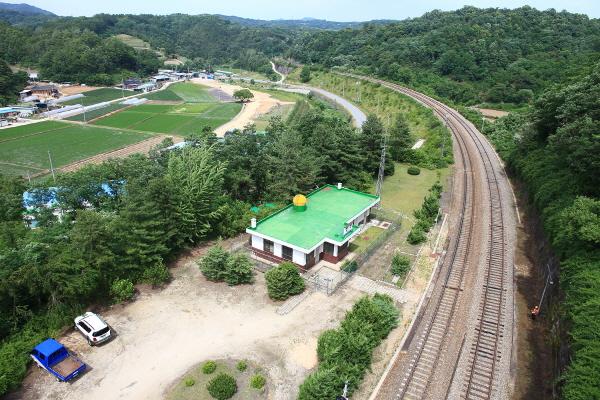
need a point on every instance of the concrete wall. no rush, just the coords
(277, 249)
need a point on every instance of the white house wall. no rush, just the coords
(298, 257)
(257, 242)
(277, 250)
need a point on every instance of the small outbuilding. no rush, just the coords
(315, 227)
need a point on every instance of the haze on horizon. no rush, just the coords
(333, 10)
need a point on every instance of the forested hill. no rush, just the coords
(24, 14)
(304, 23)
(494, 55)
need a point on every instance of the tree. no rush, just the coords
(305, 74)
(239, 270)
(243, 95)
(10, 83)
(284, 281)
(371, 141)
(400, 141)
(214, 264)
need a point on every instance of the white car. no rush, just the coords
(93, 328)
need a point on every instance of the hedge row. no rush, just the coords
(426, 215)
(345, 353)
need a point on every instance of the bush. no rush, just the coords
(400, 265)
(416, 235)
(209, 367)
(257, 381)
(156, 275)
(214, 264)
(413, 170)
(239, 270)
(242, 366)
(349, 266)
(190, 382)
(284, 281)
(222, 387)
(122, 290)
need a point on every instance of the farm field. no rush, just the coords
(183, 91)
(177, 119)
(27, 149)
(96, 113)
(99, 96)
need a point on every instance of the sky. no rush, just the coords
(333, 10)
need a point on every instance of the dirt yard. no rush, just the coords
(164, 333)
(261, 104)
(76, 89)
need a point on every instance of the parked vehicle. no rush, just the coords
(93, 328)
(54, 358)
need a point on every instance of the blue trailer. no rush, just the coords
(54, 358)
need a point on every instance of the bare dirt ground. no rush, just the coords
(163, 333)
(492, 114)
(141, 147)
(261, 104)
(76, 89)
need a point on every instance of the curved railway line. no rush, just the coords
(450, 354)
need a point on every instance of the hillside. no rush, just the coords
(24, 14)
(304, 23)
(24, 9)
(468, 55)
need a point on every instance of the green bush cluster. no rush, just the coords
(190, 382)
(345, 354)
(242, 365)
(400, 265)
(220, 266)
(425, 215)
(350, 266)
(258, 381)
(284, 281)
(209, 367)
(156, 275)
(122, 290)
(412, 170)
(222, 387)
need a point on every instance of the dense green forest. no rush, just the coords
(157, 205)
(555, 150)
(471, 55)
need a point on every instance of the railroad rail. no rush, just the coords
(484, 345)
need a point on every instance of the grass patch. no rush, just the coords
(192, 92)
(163, 95)
(29, 129)
(72, 143)
(89, 115)
(123, 119)
(362, 241)
(198, 391)
(99, 96)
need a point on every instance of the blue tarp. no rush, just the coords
(48, 197)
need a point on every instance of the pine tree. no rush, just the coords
(400, 141)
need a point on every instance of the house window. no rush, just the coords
(328, 248)
(287, 253)
(268, 246)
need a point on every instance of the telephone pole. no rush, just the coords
(381, 173)
(51, 167)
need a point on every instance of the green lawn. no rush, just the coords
(99, 96)
(192, 92)
(123, 119)
(163, 95)
(67, 144)
(404, 193)
(360, 243)
(29, 129)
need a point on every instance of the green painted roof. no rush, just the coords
(328, 210)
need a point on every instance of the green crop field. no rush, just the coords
(175, 119)
(163, 95)
(183, 91)
(27, 150)
(99, 96)
(96, 113)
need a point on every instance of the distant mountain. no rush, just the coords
(24, 9)
(307, 23)
(24, 14)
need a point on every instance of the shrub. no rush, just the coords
(400, 265)
(239, 270)
(209, 367)
(412, 170)
(257, 381)
(324, 383)
(122, 290)
(416, 235)
(242, 365)
(190, 382)
(284, 281)
(214, 264)
(222, 387)
(349, 266)
(156, 275)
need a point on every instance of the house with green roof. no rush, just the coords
(315, 227)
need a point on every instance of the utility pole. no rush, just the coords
(51, 166)
(122, 88)
(381, 173)
(482, 123)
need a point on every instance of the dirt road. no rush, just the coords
(261, 104)
(165, 332)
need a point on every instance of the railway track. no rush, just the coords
(481, 349)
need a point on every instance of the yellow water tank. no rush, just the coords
(300, 202)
